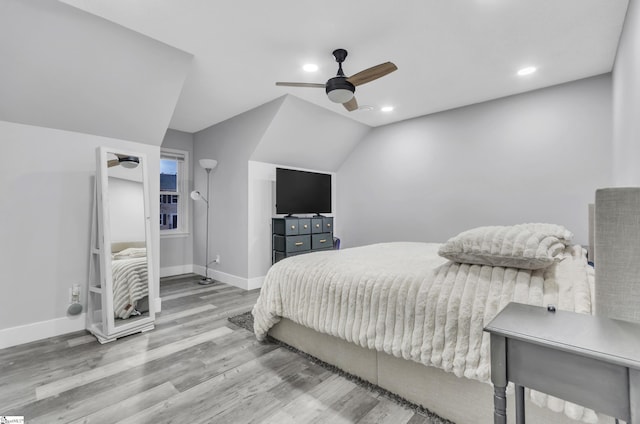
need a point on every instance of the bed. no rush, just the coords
(130, 279)
(409, 317)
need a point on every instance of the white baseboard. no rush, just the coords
(255, 283)
(41, 330)
(170, 271)
(233, 280)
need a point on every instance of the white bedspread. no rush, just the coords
(130, 278)
(405, 300)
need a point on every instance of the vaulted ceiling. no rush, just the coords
(449, 53)
(191, 64)
(67, 69)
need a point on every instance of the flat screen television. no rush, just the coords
(302, 192)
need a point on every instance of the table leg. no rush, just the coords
(519, 404)
(499, 378)
(499, 405)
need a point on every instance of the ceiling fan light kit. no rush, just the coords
(125, 161)
(129, 161)
(341, 89)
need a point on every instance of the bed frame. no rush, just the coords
(460, 400)
(464, 401)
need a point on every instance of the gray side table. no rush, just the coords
(589, 360)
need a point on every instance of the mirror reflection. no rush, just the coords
(130, 281)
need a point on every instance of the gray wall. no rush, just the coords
(536, 157)
(626, 102)
(47, 198)
(284, 132)
(231, 143)
(176, 252)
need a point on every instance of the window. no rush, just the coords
(174, 199)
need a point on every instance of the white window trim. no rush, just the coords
(182, 189)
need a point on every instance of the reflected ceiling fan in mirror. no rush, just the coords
(341, 89)
(124, 160)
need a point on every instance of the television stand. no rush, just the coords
(293, 236)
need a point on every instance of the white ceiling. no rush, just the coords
(449, 53)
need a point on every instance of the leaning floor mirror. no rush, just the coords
(120, 281)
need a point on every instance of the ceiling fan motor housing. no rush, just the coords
(129, 161)
(340, 55)
(339, 90)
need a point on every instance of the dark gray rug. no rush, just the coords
(245, 321)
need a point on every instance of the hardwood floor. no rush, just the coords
(194, 367)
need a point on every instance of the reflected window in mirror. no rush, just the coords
(174, 197)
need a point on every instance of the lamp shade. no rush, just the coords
(195, 195)
(208, 163)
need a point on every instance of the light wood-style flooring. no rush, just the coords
(194, 367)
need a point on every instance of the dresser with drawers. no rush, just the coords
(296, 235)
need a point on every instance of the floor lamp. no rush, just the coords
(208, 165)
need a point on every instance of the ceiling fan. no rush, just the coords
(124, 160)
(341, 89)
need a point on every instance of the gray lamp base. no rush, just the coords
(205, 281)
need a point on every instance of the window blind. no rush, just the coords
(172, 156)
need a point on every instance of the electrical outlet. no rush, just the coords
(74, 293)
(75, 307)
(217, 259)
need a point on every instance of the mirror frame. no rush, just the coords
(137, 324)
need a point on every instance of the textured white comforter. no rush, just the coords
(130, 284)
(405, 300)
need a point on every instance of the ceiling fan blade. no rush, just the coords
(372, 73)
(351, 105)
(300, 84)
(113, 162)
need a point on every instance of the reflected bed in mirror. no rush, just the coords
(130, 279)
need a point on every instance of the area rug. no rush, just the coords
(245, 321)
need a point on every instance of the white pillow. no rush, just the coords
(515, 246)
(130, 252)
(564, 235)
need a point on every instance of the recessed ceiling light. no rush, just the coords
(386, 108)
(527, 71)
(365, 108)
(310, 67)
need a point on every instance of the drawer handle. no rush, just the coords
(305, 226)
(299, 243)
(329, 225)
(293, 227)
(317, 225)
(323, 241)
